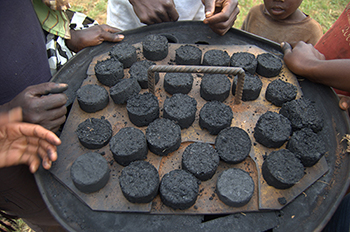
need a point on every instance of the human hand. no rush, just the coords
(220, 15)
(57, 4)
(42, 104)
(301, 58)
(92, 36)
(155, 11)
(25, 143)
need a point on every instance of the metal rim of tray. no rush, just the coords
(319, 201)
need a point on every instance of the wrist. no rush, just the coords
(71, 43)
(315, 69)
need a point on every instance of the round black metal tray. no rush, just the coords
(310, 211)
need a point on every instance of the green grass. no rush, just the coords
(325, 12)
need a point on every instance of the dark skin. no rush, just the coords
(44, 104)
(40, 106)
(92, 36)
(286, 10)
(220, 14)
(306, 61)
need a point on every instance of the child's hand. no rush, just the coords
(302, 58)
(25, 143)
(92, 36)
(220, 15)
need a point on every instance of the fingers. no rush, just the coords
(32, 155)
(209, 7)
(171, 12)
(58, 4)
(36, 131)
(52, 101)
(58, 88)
(223, 16)
(173, 15)
(47, 88)
(41, 143)
(109, 34)
(54, 125)
(344, 102)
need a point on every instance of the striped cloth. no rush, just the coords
(56, 26)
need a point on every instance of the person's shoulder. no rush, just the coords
(312, 23)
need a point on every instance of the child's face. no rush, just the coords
(281, 9)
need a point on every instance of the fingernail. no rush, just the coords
(33, 168)
(208, 14)
(345, 105)
(120, 36)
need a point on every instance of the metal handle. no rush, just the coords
(198, 69)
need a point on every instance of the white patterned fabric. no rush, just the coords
(57, 51)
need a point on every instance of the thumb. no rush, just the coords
(286, 48)
(209, 7)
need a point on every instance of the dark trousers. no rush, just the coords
(20, 196)
(340, 221)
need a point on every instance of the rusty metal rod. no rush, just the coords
(199, 69)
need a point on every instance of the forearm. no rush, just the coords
(334, 73)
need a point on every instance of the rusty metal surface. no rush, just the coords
(199, 69)
(246, 114)
(309, 211)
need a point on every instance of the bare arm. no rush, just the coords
(306, 61)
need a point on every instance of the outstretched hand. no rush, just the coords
(93, 36)
(155, 11)
(25, 143)
(220, 15)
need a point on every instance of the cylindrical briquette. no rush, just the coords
(128, 145)
(92, 98)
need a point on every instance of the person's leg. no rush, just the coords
(20, 196)
(340, 221)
